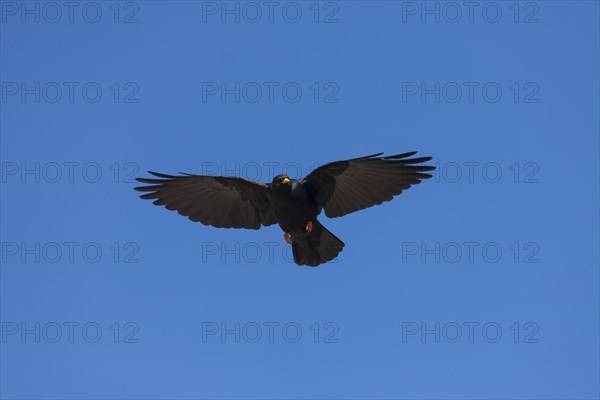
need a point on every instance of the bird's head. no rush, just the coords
(281, 181)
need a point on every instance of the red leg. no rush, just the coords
(309, 226)
(287, 238)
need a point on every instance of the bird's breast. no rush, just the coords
(292, 210)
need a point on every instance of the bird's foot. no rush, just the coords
(287, 238)
(309, 226)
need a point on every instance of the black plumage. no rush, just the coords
(338, 188)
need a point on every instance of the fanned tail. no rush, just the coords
(317, 247)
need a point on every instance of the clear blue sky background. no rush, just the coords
(378, 291)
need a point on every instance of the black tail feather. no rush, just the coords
(317, 247)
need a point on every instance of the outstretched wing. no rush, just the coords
(343, 187)
(223, 202)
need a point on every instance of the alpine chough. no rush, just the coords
(339, 188)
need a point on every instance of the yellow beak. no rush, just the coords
(286, 180)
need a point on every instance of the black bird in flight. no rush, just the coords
(339, 188)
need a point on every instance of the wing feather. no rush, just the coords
(223, 202)
(343, 187)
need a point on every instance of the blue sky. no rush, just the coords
(481, 283)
